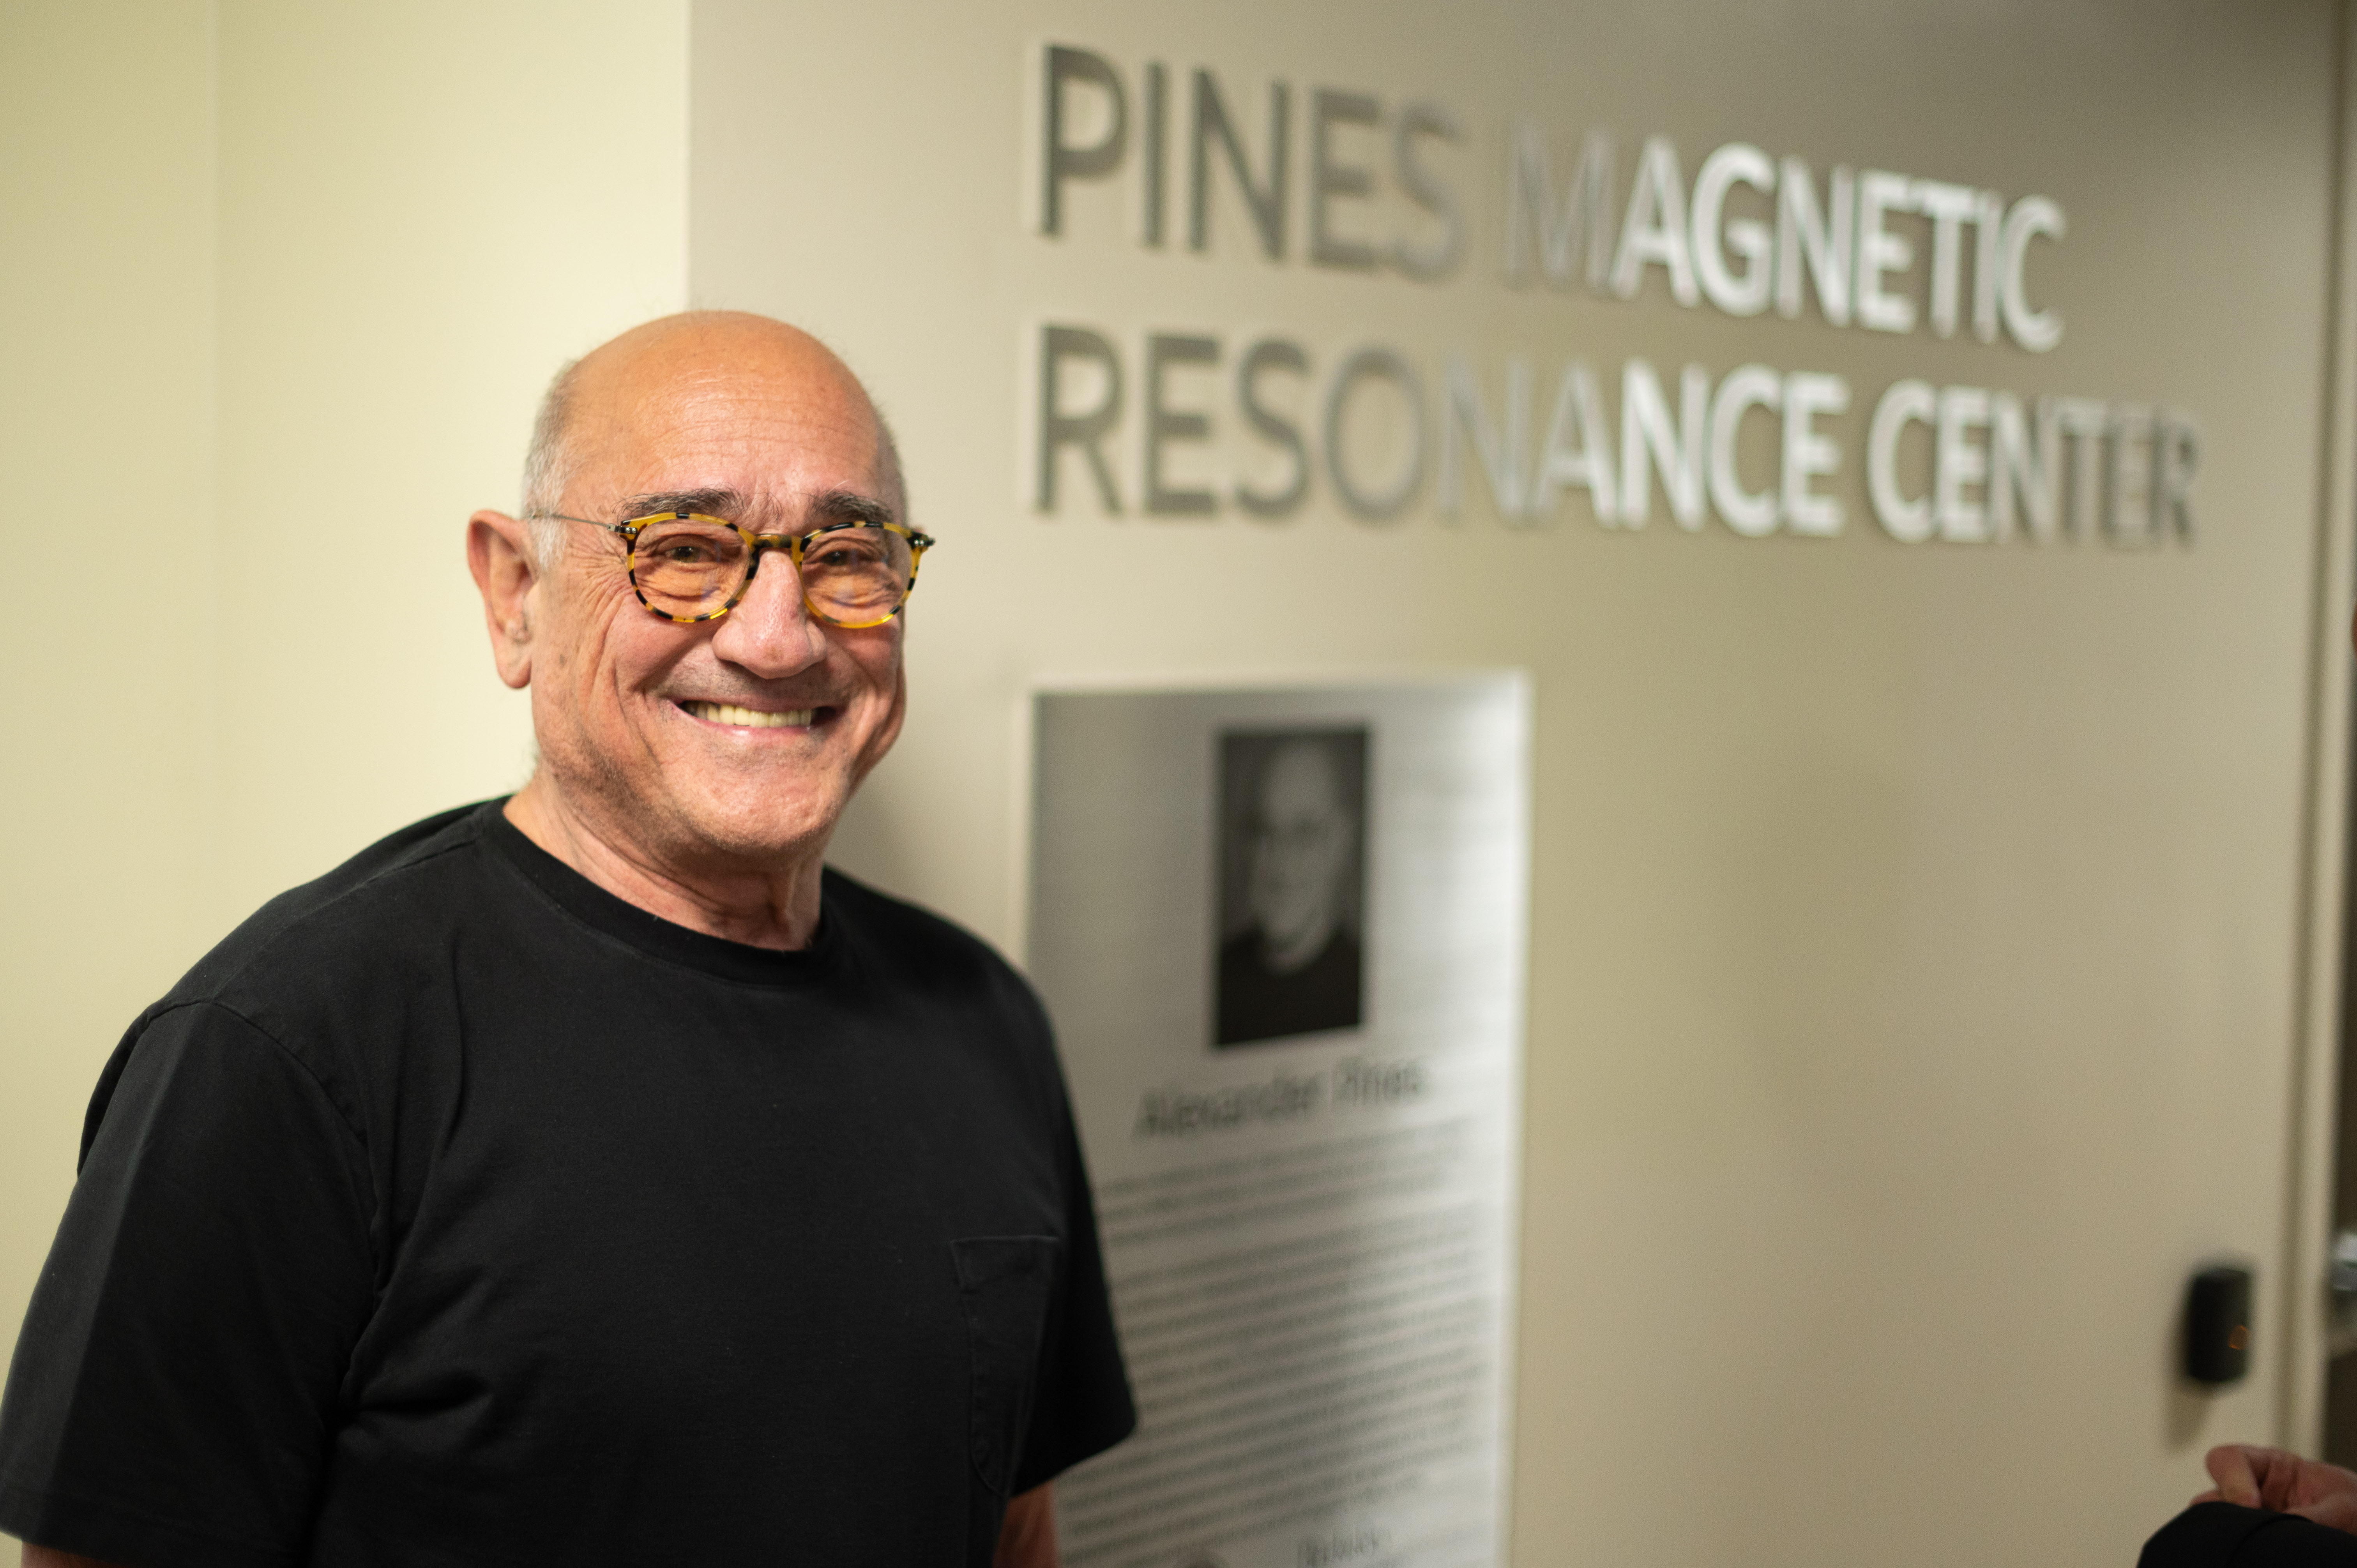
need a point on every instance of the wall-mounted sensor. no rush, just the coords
(2218, 1325)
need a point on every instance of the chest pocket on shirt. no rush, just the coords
(1003, 1285)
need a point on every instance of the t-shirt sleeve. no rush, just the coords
(179, 1369)
(1081, 1405)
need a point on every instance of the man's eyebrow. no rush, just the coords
(832, 505)
(850, 506)
(722, 503)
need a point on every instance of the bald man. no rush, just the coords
(594, 1175)
(1295, 969)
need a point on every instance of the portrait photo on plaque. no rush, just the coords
(1292, 884)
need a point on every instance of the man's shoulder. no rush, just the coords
(903, 931)
(400, 891)
(917, 948)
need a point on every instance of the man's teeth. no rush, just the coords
(750, 718)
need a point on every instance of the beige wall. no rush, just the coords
(1914, 931)
(1914, 928)
(425, 209)
(106, 427)
(284, 284)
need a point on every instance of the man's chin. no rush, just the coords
(761, 834)
(1297, 932)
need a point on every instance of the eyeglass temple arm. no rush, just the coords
(917, 539)
(624, 529)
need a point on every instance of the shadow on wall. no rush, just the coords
(2187, 1409)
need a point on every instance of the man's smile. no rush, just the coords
(732, 716)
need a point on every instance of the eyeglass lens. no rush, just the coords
(852, 576)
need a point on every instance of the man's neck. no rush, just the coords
(760, 907)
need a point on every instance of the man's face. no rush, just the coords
(731, 744)
(1301, 837)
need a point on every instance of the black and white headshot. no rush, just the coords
(1293, 876)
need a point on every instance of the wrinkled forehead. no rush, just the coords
(777, 431)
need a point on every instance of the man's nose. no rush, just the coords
(771, 632)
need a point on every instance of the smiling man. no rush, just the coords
(593, 1177)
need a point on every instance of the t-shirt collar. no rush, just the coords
(650, 934)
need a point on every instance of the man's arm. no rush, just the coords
(187, 1335)
(1027, 1538)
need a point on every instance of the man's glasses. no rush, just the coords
(687, 567)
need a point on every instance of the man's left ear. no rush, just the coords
(500, 555)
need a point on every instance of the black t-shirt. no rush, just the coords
(455, 1211)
